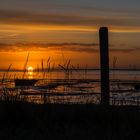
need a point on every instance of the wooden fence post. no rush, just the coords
(104, 62)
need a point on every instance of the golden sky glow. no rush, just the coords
(66, 30)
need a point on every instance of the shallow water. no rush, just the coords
(77, 74)
(83, 83)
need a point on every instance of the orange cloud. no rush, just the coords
(74, 47)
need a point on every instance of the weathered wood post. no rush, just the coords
(104, 62)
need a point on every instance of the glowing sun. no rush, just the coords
(30, 68)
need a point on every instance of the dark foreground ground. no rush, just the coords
(24, 121)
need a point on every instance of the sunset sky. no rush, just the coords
(68, 29)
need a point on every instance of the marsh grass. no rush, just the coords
(5, 75)
(25, 66)
(11, 95)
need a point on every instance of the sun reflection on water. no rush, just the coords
(30, 72)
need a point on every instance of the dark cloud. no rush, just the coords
(123, 50)
(22, 17)
(19, 47)
(95, 9)
(75, 47)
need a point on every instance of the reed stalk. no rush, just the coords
(25, 66)
(5, 75)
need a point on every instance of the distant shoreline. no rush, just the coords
(45, 70)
